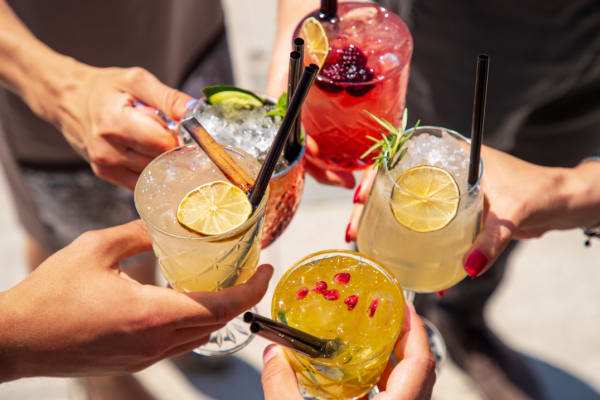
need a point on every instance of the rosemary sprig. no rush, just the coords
(391, 144)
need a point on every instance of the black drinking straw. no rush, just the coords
(481, 80)
(293, 338)
(299, 47)
(295, 69)
(268, 166)
(328, 10)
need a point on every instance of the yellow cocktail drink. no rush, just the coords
(347, 296)
(191, 261)
(422, 217)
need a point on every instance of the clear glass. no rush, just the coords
(191, 262)
(285, 187)
(423, 262)
(333, 113)
(368, 332)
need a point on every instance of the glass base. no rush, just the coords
(437, 345)
(374, 392)
(231, 338)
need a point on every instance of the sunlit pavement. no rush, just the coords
(548, 307)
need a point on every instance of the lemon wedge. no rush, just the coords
(317, 43)
(425, 199)
(214, 208)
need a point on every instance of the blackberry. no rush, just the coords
(352, 56)
(333, 72)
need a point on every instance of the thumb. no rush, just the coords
(149, 90)
(278, 377)
(492, 240)
(120, 242)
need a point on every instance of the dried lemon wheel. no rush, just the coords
(317, 43)
(426, 198)
(214, 208)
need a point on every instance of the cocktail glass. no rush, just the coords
(286, 183)
(189, 261)
(367, 68)
(344, 295)
(423, 262)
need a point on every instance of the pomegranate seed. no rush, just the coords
(373, 307)
(351, 301)
(331, 294)
(441, 293)
(342, 278)
(301, 293)
(320, 287)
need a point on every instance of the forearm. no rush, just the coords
(31, 69)
(289, 14)
(10, 360)
(568, 198)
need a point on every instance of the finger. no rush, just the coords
(414, 341)
(329, 177)
(148, 89)
(389, 367)
(145, 133)
(344, 179)
(414, 375)
(118, 175)
(135, 161)
(231, 302)
(352, 228)
(116, 243)
(364, 187)
(494, 237)
(185, 347)
(278, 378)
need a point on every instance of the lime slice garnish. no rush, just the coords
(232, 94)
(427, 198)
(214, 208)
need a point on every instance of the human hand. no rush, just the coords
(77, 314)
(98, 118)
(412, 378)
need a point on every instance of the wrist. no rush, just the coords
(45, 89)
(10, 349)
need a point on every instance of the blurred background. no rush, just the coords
(548, 307)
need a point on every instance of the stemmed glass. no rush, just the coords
(423, 261)
(191, 262)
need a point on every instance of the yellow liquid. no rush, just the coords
(423, 262)
(368, 340)
(190, 261)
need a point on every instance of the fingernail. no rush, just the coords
(191, 103)
(348, 239)
(355, 199)
(270, 352)
(475, 263)
(138, 104)
(441, 293)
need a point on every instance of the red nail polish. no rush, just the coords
(475, 264)
(348, 239)
(441, 293)
(356, 192)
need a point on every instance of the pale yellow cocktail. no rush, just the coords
(192, 262)
(420, 238)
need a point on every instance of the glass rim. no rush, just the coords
(471, 188)
(319, 255)
(387, 75)
(256, 214)
(271, 101)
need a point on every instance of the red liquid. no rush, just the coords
(333, 111)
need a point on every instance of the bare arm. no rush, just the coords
(289, 14)
(92, 107)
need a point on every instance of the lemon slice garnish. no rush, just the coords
(317, 43)
(426, 198)
(214, 208)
